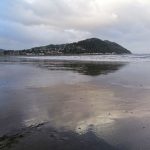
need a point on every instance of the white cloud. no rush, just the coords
(56, 21)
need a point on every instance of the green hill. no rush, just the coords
(88, 46)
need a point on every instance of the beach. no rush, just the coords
(75, 103)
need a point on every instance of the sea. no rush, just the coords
(82, 102)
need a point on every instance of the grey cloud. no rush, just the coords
(27, 23)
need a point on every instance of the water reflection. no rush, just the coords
(85, 68)
(53, 139)
(72, 108)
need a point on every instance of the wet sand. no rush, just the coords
(70, 105)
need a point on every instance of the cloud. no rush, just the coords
(27, 23)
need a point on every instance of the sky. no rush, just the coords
(28, 23)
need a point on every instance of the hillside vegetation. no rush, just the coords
(88, 46)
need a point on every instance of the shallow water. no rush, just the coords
(106, 102)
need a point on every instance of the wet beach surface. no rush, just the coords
(64, 105)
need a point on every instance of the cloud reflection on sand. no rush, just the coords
(70, 97)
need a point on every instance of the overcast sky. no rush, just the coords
(28, 23)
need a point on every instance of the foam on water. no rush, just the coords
(98, 58)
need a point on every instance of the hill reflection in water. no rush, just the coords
(85, 68)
